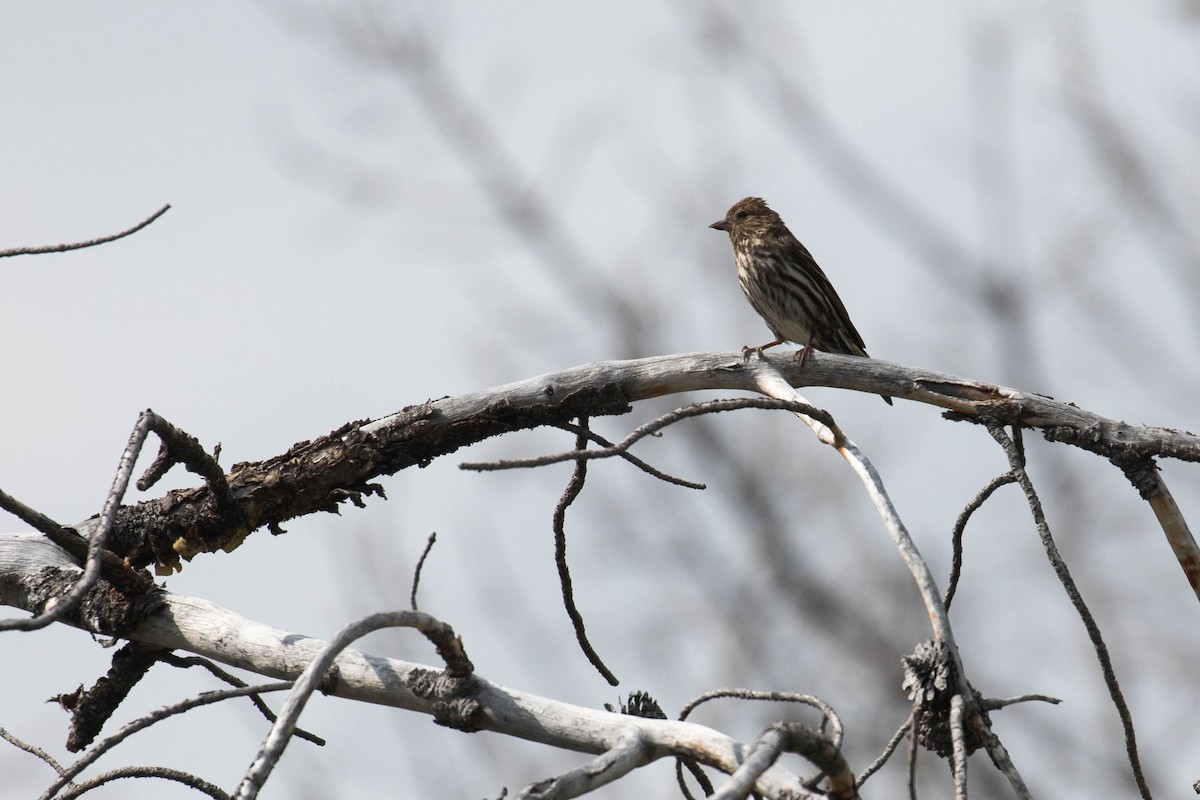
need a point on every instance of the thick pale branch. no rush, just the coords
(203, 628)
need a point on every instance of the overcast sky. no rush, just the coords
(329, 256)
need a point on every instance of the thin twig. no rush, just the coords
(888, 750)
(574, 487)
(412, 597)
(32, 749)
(828, 714)
(1016, 458)
(632, 459)
(207, 698)
(652, 427)
(62, 248)
(912, 755)
(181, 662)
(697, 774)
(628, 753)
(991, 704)
(960, 526)
(165, 773)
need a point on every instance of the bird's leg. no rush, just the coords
(803, 355)
(747, 349)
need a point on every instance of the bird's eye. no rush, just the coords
(742, 214)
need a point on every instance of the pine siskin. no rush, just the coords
(784, 284)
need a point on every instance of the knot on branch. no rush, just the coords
(931, 682)
(453, 698)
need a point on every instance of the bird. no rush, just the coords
(782, 281)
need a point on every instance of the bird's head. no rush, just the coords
(749, 217)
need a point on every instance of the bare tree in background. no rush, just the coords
(813, 600)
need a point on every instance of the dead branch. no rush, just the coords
(320, 474)
(62, 248)
(454, 690)
(1016, 457)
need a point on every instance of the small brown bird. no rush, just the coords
(782, 281)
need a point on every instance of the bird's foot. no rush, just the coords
(802, 355)
(747, 350)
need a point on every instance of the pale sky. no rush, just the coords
(329, 257)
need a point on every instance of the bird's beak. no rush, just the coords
(721, 225)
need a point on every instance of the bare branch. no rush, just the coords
(318, 475)
(190, 623)
(1175, 527)
(960, 525)
(632, 459)
(829, 716)
(180, 447)
(412, 596)
(142, 723)
(97, 541)
(649, 429)
(164, 773)
(990, 704)
(31, 749)
(1003, 762)
(170, 658)
(959, 757)
(91, 709)
(772, 383)
(574, 487)
(791, 737)
(1016, 459)
(888, 749)
(458, 675)
(627, 754)
(62, 248)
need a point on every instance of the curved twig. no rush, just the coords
(62, 248)
(574, 487)
(960, 525)
(165, 773)
(416, 581)
(458, 668)
(792, 737)
(628, 753)
(828, 714)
